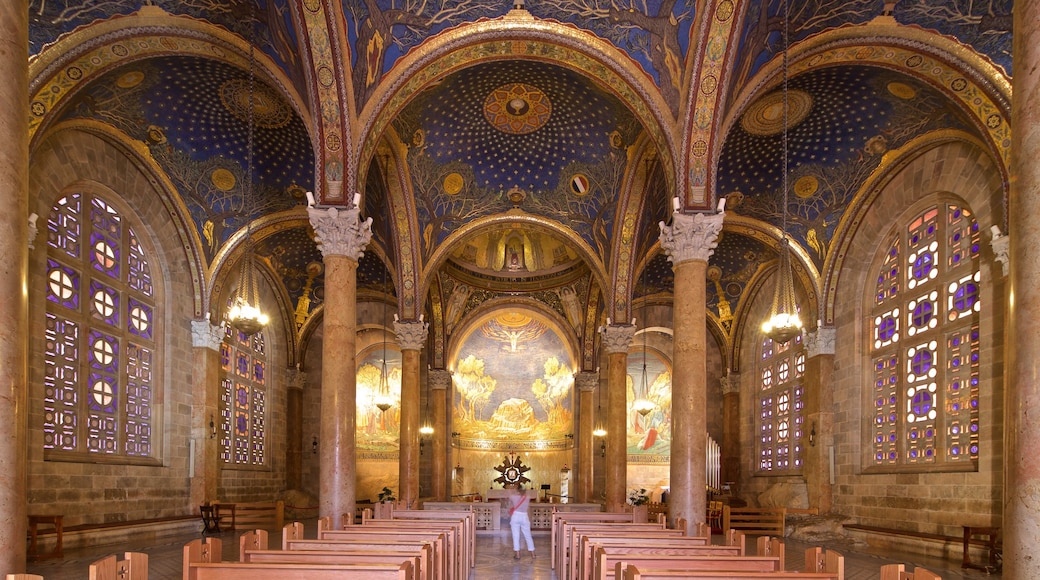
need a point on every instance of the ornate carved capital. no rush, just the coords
(691, 236)
(206, 335)
(730, 383)
(819, 341)
(439, 379)
(341, 232)
(1001, 245)
(295, 378)
(586, 381)
(617, 337)
(411, 335)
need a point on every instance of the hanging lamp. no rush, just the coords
(383, 401)
(783, 323)
(642, 404)
(245, 314)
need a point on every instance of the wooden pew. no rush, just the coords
(629, 572)
(756, 521)
(606, 564)
(133, 567)
(898, 572)
(567, 540)
(23, 577)
(443, 558)
(558, 518)
(467, 516)
(202, 551)
(240, 571)
(455, 556)
(334, 557)
(581, 564)
(430, 564)
(640, 548)
(254, 540)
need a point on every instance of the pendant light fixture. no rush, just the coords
(642, 404)
(383, 401)
(783, 323)
(245, 314)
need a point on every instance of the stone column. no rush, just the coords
(617, 339)
(296, 379)
(730, 427)
(819, 417)
(586, 383)
(689, 242)
(205, 411)
(411, 335)
(440, 380)
(14, 268)
(342, 237)
(1021, 396)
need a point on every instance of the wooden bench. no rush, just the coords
(467, 516)
(640, 549)
(267, 515)
(667, 539)
(569, 532)
(898, 572)
(444, 555)
(134, 566)
(333, 557)
(458, 555)
(819, 565)
(430, 565)
(558, 518)
(754, 521)
(240, 571)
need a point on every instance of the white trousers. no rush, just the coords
(520, 523)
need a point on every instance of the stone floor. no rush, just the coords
(494, 560)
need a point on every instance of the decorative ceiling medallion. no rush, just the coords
(580, 185)
(517, 108)
(902, 90)
(222, 179)
(453, 183)
(806, 186)
(766, 115)
(269, 111)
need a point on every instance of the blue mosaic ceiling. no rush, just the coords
(193, 115)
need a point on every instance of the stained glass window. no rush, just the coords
(243, 412)
(98, 383)
(781, 406)
(925, 346)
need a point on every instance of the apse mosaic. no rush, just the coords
(513, 380)
(648, 415)
(852, 117)
(192, 114)
(379, 403)
(654, 34)
(516, 134)
(985, 26)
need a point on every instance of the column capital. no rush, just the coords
(586, 381)
(206, 335)
(341, 232)
(439, 379)
(819, 341)
(730, 383)
(295, 378)
(617, 337)
(411, 334)
(691, 236)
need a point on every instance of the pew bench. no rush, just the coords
(754, 521)
(134, 566)
(606, 564)
(559, 518)
(335, 557)
(630, 572)
(429, 557)
(565, 544)
(456, 530)
(240, 571)
(617, 553)
(898, 572)
(580, 567)
(445, 546)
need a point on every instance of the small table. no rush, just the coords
(991, 543)
(210, 521)
(34, 522)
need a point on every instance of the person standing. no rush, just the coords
(519, 521)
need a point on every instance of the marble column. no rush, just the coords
(730, 469)
(689, 242)
(296, 380)
(411, 335)
(342, 237)
(205, 411)
(616, 340)
(586, 384)
(819, 417)
(440, 380)
(14, 267)
(1021, 520)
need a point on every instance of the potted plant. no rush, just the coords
(638, 497)
(387, 495)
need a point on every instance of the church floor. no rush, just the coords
(494, 560)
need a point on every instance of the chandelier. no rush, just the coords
(245, 314)
(783, 323)
(383, 400)
(642, 404)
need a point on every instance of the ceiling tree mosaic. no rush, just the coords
(513, 377)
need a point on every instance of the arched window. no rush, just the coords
(780, 402)
(100, 351)
(924, 342)
(243, 398)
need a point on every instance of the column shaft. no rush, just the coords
(687, 477)
(440, 383)
(1021, 397)
(730, 470)
(585, 442)
(616, 467)
(408, 464)
(14, 236)
(819, 367)
(338, 485)
(204, 411)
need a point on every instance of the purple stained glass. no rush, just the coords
(965, 296)
(929, 452)
(242, 398)
(242, 364)
(922, 314)
(241, 424)
(922, 403)
(887, 328)
(139, 316)
(258, 372)
(922, 266)
(922, 362)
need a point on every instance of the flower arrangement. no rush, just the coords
(638, 497)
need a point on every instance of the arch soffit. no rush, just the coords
(901, 160)
(139, 156)
(514, 216)
(514, 37)
(404, 227)
(77, 59)
(473, 319)
(968, 79)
